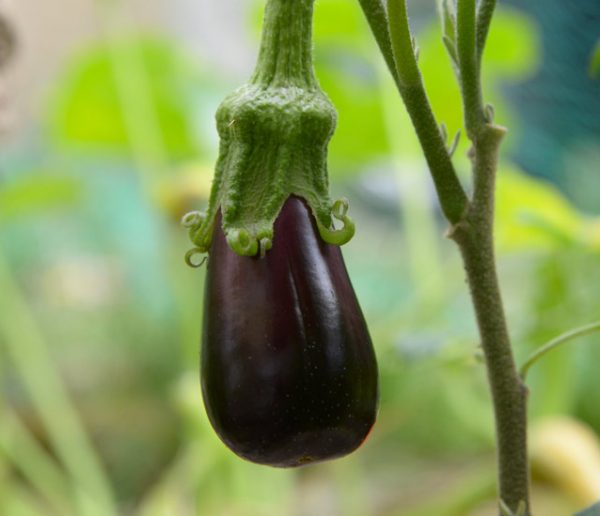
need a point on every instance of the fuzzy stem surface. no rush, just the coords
(474, 236)
(472, 218)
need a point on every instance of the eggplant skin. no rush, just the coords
(288, 371)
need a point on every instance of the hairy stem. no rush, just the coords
(470, 81)
(485, 12)
(472, 219)
(474, 236)
(453, 199)
(376, 16)
(285, 57)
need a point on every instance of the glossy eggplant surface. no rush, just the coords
(288, 370)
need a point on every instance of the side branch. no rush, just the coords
(582, 331)
(453, 200)
(408, 78)
(485, 13)
(377, 18)
(470, 83)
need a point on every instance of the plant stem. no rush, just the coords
(285, 57)
(474, 237)
(485, 13)
(453, 199)
(378, 22)
(472, 220)
(476, 242)
(470, 81)
(555, 343)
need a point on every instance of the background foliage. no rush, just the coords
(99, 318)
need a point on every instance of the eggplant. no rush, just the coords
(288, 370)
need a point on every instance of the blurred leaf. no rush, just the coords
(429, 392)
(595, 61)
(339, 20)
(353, 87)
(27, 454)
(513, 46)
(533, 214)
(17, 500)
(594, 510)
(346, 65)
(87, 108)
(35, 193)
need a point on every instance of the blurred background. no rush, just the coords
(107, 138)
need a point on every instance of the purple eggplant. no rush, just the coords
(288, 370)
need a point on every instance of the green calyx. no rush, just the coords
(274, 133)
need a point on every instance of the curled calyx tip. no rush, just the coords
(339, 211)
(245, 244)
(194, 222)
(240, 241)
(257, 241)
(191, 254)
(265, 245)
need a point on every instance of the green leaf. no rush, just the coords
(92, 106)
(451, 48)
(593, 510)
(360, 135)
(37, 193)
(345, 68)
(449, 23)
(513, 46)
(339, 20)
(533, 214)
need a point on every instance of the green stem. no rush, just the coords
(485, 13)
(470, 80)
(509, 396)
(410, 85)
(557, 342)
(472, 221)
(285, 57)
(475, 238)
(405, 56)
(376, 16)
(418, 218)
